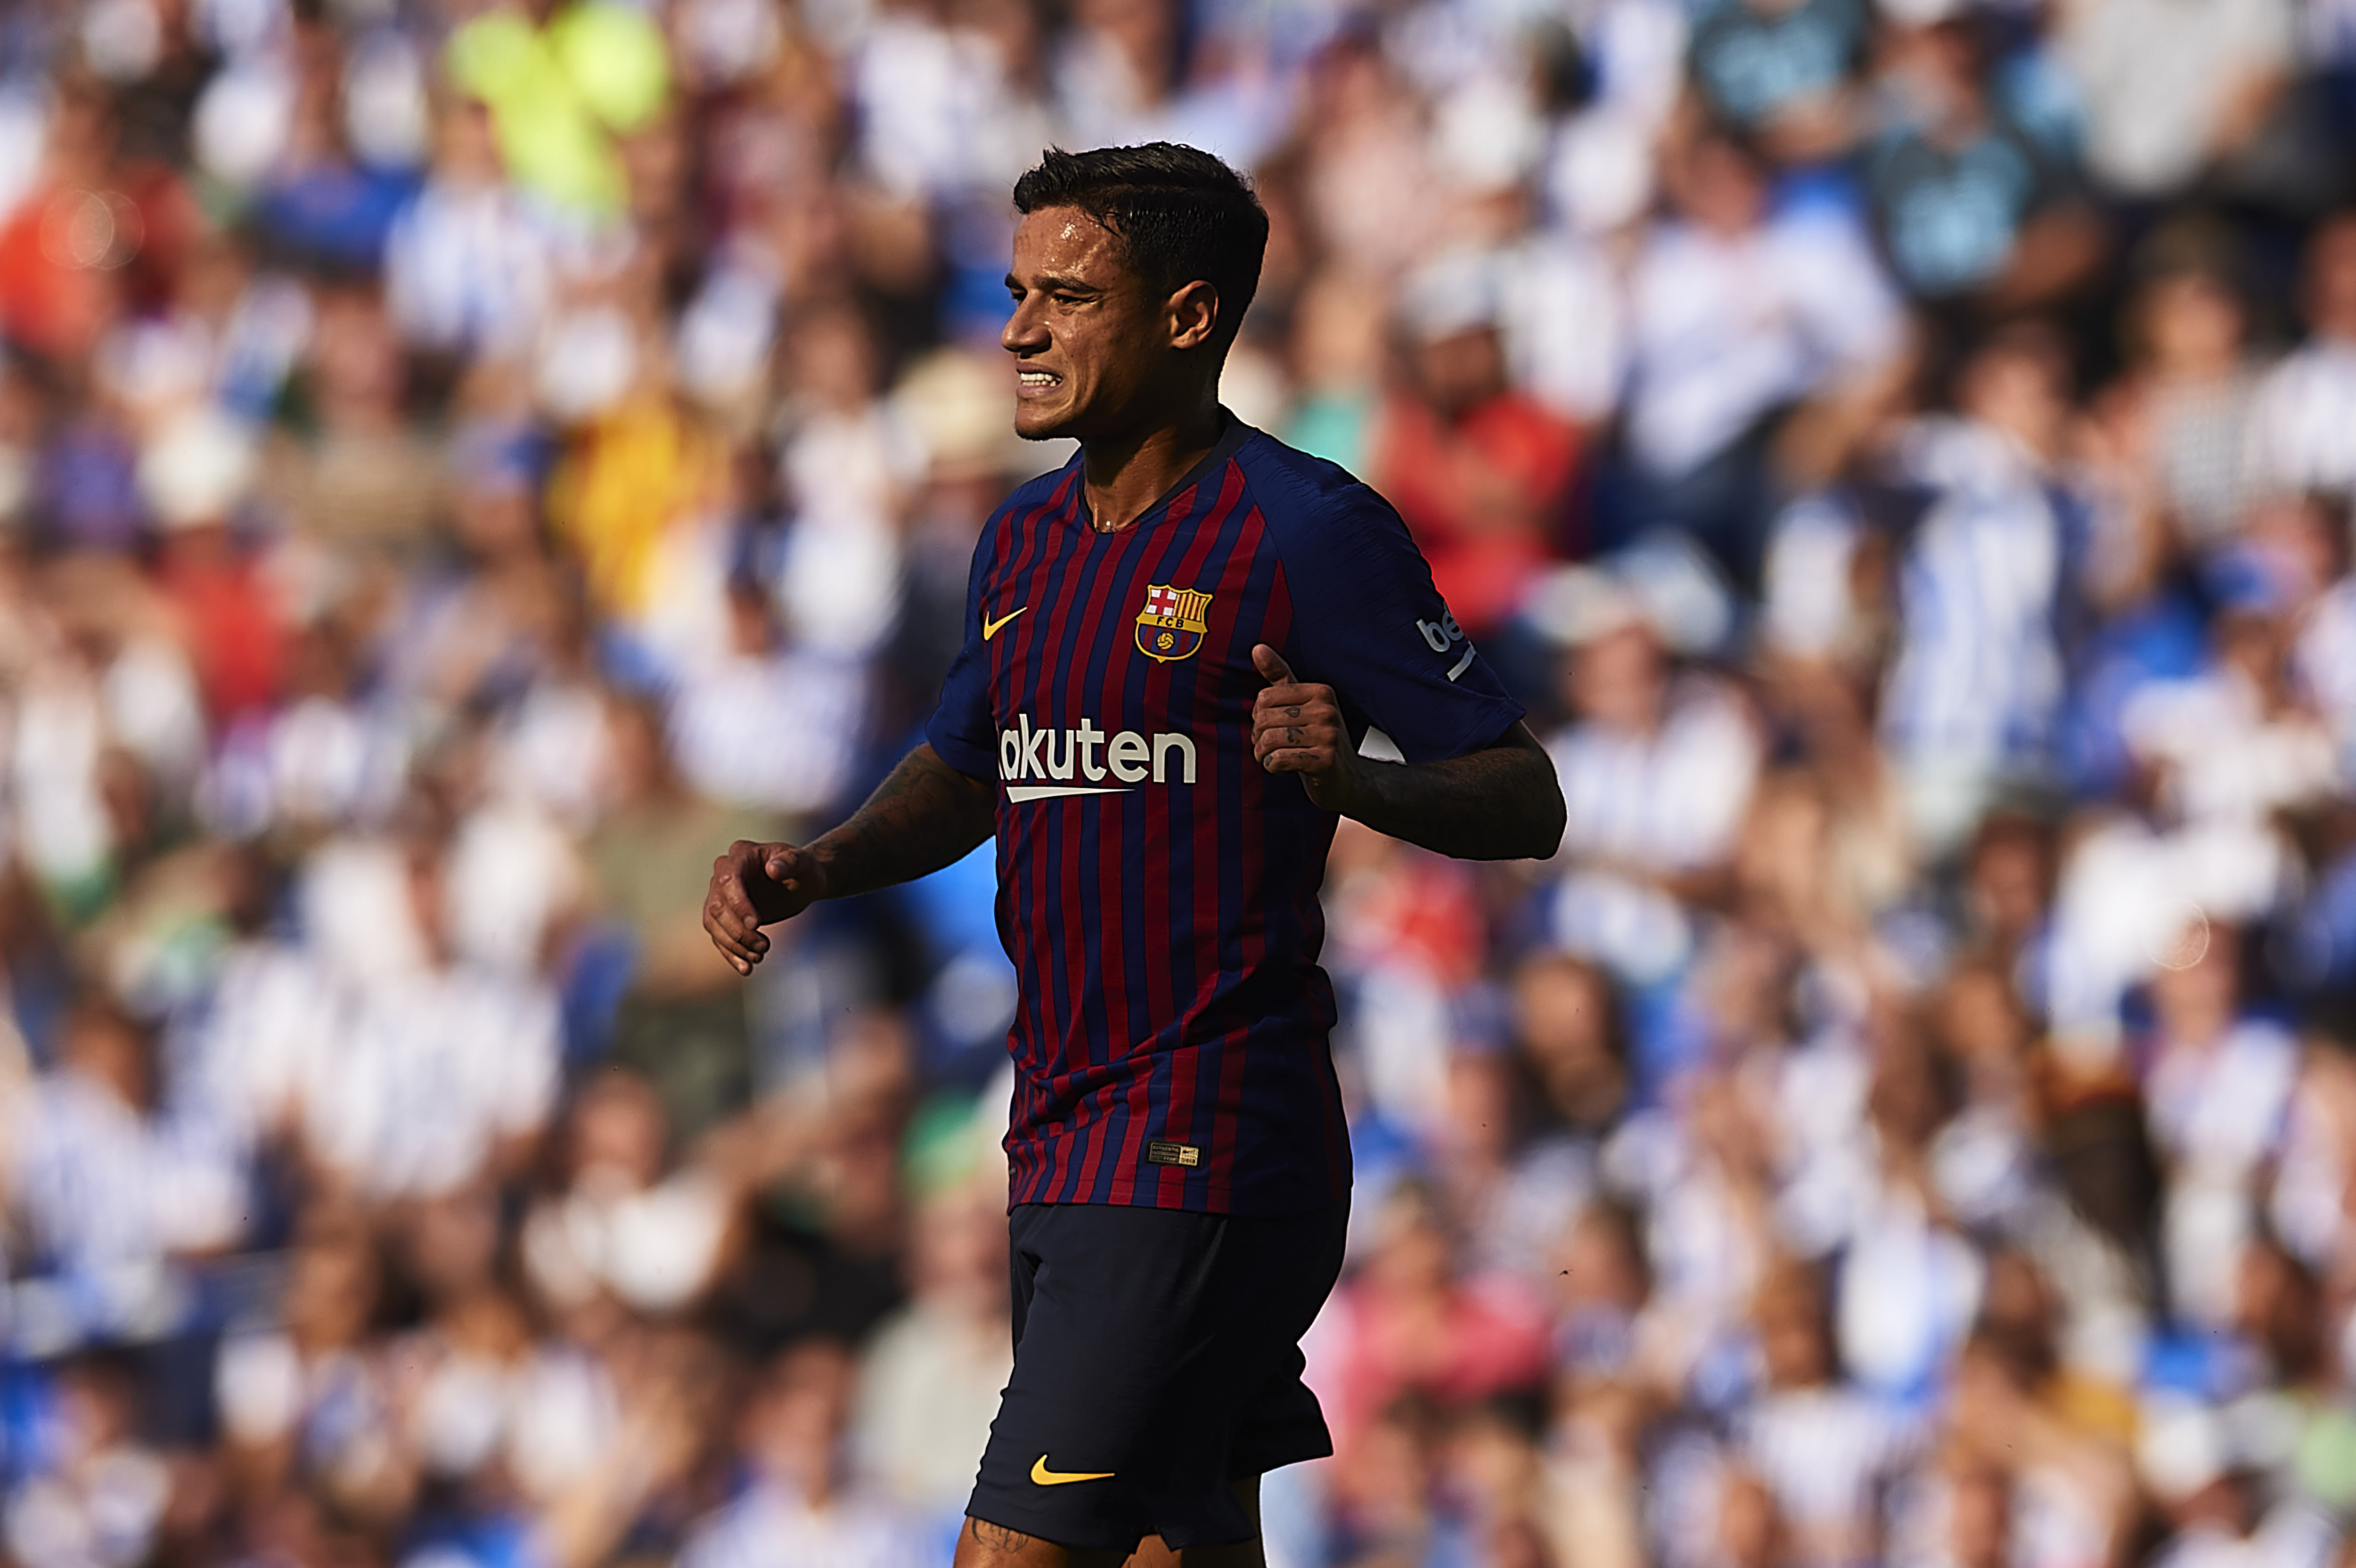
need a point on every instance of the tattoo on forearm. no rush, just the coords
(997, 1537)
(1501, 803)
(924, 817)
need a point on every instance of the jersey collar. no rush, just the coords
(1233, 433)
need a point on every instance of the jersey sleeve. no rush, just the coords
(960, 729)
(1368, 623)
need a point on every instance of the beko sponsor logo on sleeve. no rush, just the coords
(1088, 760)
(1443, 635)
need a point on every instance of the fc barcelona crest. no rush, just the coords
(1172, 624)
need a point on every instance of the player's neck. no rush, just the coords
(1123, 476)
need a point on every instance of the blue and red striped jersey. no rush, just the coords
(1158, 891)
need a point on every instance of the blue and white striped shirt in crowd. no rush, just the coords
(1978, 678)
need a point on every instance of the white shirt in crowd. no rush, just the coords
(431, 1073)
(1667, 802)
(467, 267)
(1828, 1455)
(2158, 77)
(103, 1187)
(2128, 893)
(778, 730)
(841, 573)
(2302, 423)
(549, 1413)
(1566, 324)
(653, 1248)
(240, 1063)
(2292, 1535)
(1724, 330)
(937, 117)
(101, 1512)
(2323, 657)
(769, 1528)
(2219, 1113)
(2222, 754)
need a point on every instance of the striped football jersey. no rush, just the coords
(1158, 891)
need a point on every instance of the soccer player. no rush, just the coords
(1177, 651)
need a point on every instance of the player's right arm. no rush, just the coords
(937, 804)
(926, 816)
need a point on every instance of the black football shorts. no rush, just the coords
(1157, 1360)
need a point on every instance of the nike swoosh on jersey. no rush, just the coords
(1042, 1476)
(989, 628)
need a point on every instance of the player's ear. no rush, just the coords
(1194, 315)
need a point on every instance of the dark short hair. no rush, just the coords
(1180, 215)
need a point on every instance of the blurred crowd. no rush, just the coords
(461, 464)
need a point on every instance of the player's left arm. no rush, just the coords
(1503, 802)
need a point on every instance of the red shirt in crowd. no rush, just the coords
(1484, 494)
(230, 621)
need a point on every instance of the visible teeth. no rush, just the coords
(1036, 378)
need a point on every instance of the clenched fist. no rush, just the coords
(754, 885)
(1297, 728)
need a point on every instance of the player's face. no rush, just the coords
(1093, 343)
